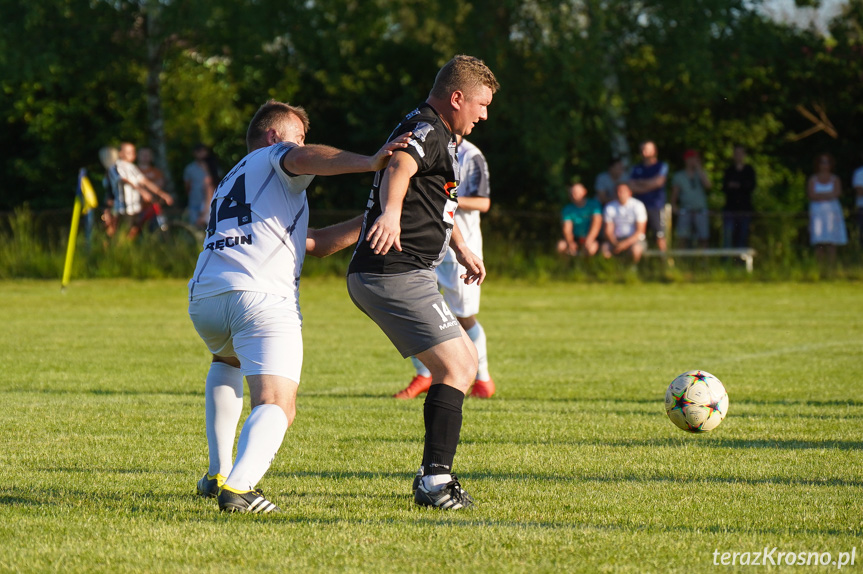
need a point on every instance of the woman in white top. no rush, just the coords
(826, 220)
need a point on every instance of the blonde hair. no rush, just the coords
(270, 115)
(108, 156)
(463, 73)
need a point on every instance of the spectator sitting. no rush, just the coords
(689, 201)
(647, 182)
(738, 183)
(582, 222)
(625, 225)
(605, 185)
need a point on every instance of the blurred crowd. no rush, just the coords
(135, 189)
(630, 207)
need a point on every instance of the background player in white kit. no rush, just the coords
(244, 294)
(462, 299)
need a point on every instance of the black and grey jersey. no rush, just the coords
(429, 206)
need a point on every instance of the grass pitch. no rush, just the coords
(574, 464)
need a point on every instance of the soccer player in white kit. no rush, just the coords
(243, 296)
(462, 299)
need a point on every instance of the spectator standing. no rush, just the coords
(135, 191)
(647, 182)
(581, 221)
(108, 157)
(857, 184)
(738, 184)
(605, 185)
(625, 225)
(689, 200)
(150, 171)
(826, 220)
(199, 186)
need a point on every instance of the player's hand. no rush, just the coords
(474, 267)
(382, 157)
(169, 199)
(146, 195)
(385, 233)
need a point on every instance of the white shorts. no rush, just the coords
(263, 331)
(463, 300)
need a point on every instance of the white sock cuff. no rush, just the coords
(274, 415)
(225, 370)
(475, 332)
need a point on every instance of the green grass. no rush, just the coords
(574, 464)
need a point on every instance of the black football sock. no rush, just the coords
(442, 412)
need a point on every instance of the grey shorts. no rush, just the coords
(407, 307)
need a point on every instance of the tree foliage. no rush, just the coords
(579, 78)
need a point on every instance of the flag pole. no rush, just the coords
(85, 200)
(70, 248)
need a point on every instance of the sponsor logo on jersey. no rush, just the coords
(450, 188)
(221, 244)
(412, 114)
(422, 130)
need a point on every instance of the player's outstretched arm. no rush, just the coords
(481, 204)
(475, 268)
(325, 160)
(328, 240)
(385, 232)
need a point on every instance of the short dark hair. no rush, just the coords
(613, 160)
(464, 73)
(269, 115)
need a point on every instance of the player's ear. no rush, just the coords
(457, 99)
(272, 137)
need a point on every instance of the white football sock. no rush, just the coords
(421, 369)
(477, 335)
(260, 440)
(434, 482)
(223, 397)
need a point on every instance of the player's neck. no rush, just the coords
(440, 109)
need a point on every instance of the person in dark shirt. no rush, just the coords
(408, 225)
(738, 183)
(647, 182)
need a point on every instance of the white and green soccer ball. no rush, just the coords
(696, 401)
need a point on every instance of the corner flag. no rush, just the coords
(85, 200)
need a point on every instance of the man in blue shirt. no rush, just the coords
(647, 182)
(582, 221)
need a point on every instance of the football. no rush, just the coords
(696, 401)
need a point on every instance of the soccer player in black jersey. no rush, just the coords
(407, 227)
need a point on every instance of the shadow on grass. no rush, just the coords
(571, 479)
(106, 392)
(177, 506)
(686, 442)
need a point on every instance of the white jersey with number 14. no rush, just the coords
(256, 238)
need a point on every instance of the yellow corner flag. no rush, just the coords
(85, 200)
